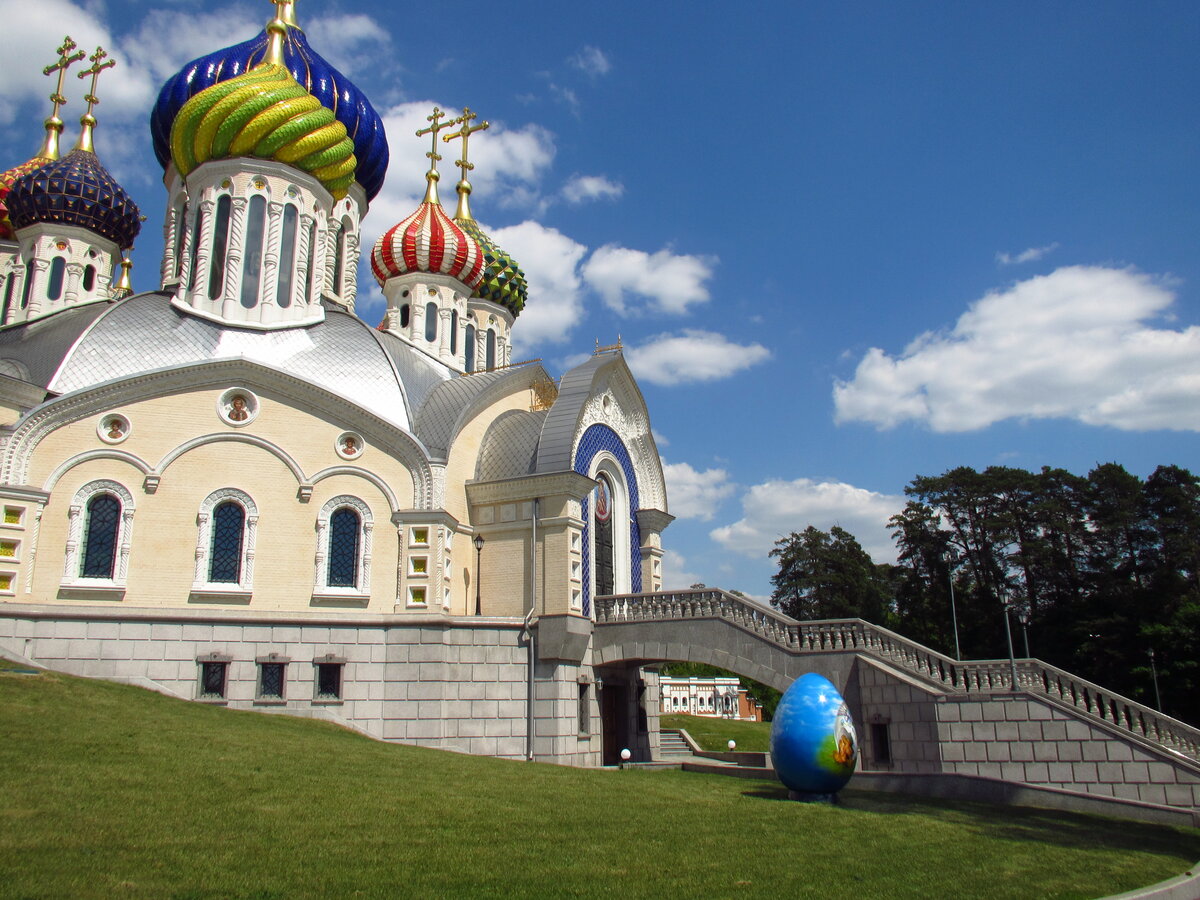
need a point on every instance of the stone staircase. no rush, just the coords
(672, 745)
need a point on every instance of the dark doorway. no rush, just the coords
(614, 721)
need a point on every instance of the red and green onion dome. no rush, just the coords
(6, 183)
(264, 113)
(75, 190)
(318, 78)
(503, 281)
(428, 241)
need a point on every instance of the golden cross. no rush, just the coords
(54, 124)
(433, 129)
(87, 120)
(465, 132)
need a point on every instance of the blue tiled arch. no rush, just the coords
(596, 439)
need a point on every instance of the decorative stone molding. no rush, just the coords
(322, 590)
(75, 512)
(202, 588)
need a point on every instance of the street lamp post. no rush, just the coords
(1154, 675)
(951, 562)
(1023, 618)
(478, 570)
(1012, 659)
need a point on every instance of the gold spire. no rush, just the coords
(87, 121)
(276, 29)
(54, 125)
(432, 176)
(124, 285)
(464, 187)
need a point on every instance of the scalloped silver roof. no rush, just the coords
(145, 333)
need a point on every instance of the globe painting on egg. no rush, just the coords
(813, 743)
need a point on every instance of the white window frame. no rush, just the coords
(76, 516)
(606, 463)
(202, 588)
(322, 590)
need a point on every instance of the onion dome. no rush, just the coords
(503, 281)
(76, 190)
(428, 241)
(6, 183)
(318, 78)
(267, 114)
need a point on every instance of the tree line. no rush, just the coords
(1099, 573)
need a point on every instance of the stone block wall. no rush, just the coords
(451, 683)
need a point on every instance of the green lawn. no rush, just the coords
(715, 734)
(111, 791)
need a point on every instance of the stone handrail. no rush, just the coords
(859, 636)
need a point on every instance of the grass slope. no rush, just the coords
(715, 734)
(111, 791)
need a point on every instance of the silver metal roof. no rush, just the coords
(145, 333)
(41, 344)
(510, 446)
(438, 416)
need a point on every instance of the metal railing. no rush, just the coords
(859, 636)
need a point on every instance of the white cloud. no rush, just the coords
(1074, 344)
(550, 261)
(348, 41)
(775, 509)
(664, 281)
(695, 495)
(580, 188)
(691, 356)
(592, 61)
(1033, 254)
(675, 574)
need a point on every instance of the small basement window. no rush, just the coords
(881, 745)
(329, 680)
(213, 680)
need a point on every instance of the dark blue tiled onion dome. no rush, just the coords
(76, 190)
(318, 77)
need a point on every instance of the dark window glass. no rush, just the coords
(100, 536)
(339, 260)
(431, 323)
(604, 537)
(287, 257)
(271, 680)
(216, 271)
(584, 718)
(404, 312)
(491, 349)
(212, 679)
(89, 277)
(54, 285)
(343, 548)
(469, 337)
(880, 742)
(177, 238)
(256, 225)
(28, 284)
(454, 331)
(312, 269)
(329, 681)
(193, 275)
(225, 561)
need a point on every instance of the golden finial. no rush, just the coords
(54, 125)
(276, 29)
(431, 195)
(286, 11)
(463, 187)
(124, 285)
(87, 121)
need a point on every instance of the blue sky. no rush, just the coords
(843, 243)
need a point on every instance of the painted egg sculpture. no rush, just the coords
(813, 744)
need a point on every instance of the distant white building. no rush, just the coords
(720, 697)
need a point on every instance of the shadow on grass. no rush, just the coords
(1060, 828)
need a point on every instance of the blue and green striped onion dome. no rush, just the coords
(503, 281)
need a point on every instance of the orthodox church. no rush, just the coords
(234, 490)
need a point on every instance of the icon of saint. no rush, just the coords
(237, 411)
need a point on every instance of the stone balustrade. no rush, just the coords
(953, 676)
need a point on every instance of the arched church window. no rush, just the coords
(344, 527)
(225, 560)
(216, 271)
(470, 349)
(491, 348)
(454, 331)
(339, 259)
(404, 315)
(431, 317)
(193, 275)
(29, 270)
(100, 536)
(89, 277)
(54, 284)
(256, 226)
(177, 235)
(603, 517)
(312, 268)
(287, 256)
(9, 284)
